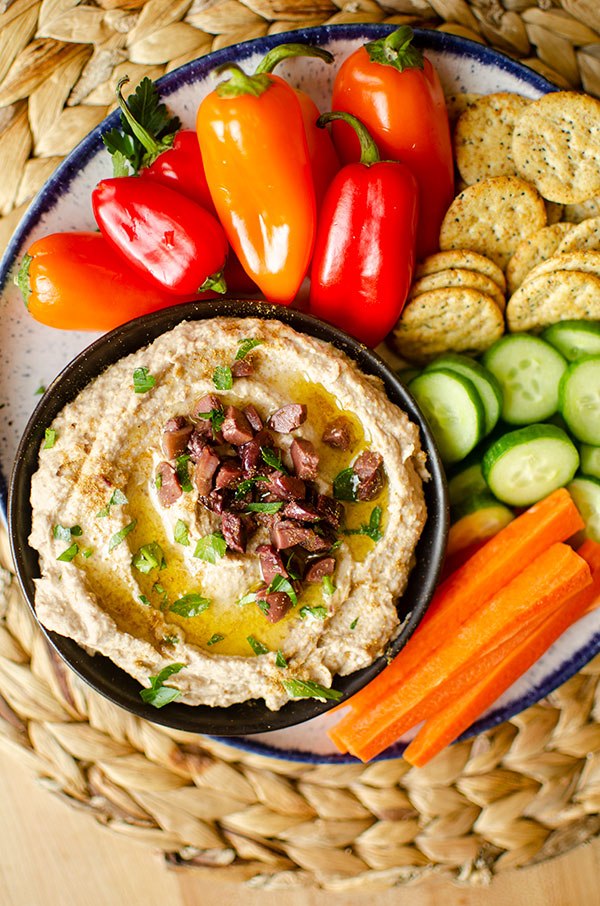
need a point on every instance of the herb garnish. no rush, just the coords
(41, 389)
(244, 347)
(280, 583)
(158, 481)
(87, 552)
(211, 547)
(257, 647)
(70, 552)
(328, 586)
(307, 689)
(215, 637)
(222, 377)
(170, 639)
(354, 622)
(372, 530)
(120, 535)
(271, 460)
(216, 416)
(264, 507)
(247, 484)
(248, 598)
(158, 694)
(145, 600)
(143, 381)
(345, 485)
(50, 438)
(148, 557)
(317, 611)
(181, 469)
(63, 533)
(161, 591)
(280, 661)
(118, 499)
(180, 533)
(190, 605)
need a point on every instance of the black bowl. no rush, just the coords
(100, 672)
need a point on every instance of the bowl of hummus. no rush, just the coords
(227, 517)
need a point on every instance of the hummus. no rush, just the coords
(128, 575)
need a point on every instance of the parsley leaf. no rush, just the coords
(190, 605)
(180, 533)
(87, 552)
(41, 389)
(143, 381)
(244, 347)
(158, 694)
(307, 689)
(120, 535)
(70, 552)
(222, 377)
(211, 547)
(215, 637)
(345, 485)
(148, 557)
(63, 533)
(161, 591)
(264, 507)
(118, 499)
(328, 586)
(49, 438)
(272, 460)
(280, 583)
(145, 600)
(354, 623)
(280, 661)
(257, 647)
(120, 163)
(247, 484)
(217, 417)
(317, 611)
(372, 530)
(181, 468)
(248, 598)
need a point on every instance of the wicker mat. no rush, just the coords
(524, 792)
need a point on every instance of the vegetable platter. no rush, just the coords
(34, 353)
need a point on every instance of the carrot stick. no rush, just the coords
(447, 724)
(553, 519)
(590, 551)
(554, 575)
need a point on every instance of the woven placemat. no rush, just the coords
(524, 792)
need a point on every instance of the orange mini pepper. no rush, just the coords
(257, 166)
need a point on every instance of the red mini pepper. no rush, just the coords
(169, 239)
(365, 247)
(397, 94)
(75, 281)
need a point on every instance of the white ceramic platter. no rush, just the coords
(31, 355)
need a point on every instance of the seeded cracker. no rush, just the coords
(483, 136)
(553, 297)
(459, 277)
(556, 146)
(461, 258)
(533, 251)
(447, 320)
(586, 262)
(492, 217)
(584, 236)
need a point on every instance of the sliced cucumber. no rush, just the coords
(476, 519)
(590, 460)
(574, 338)
(585, 491)
(407, 374)
(529, 371)
(579, 399)
(485, 382)
(453, 408)
(528, 464)
(465, 483)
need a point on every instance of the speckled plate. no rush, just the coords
(31, 355)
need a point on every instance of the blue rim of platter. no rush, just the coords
(190, 73)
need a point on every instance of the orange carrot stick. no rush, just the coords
(590, 551)
(553, 519)
(554, 575)
(447, 724)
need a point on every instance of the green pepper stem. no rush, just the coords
(150, 144)
(369, 153)
(216, 283)
(396, 50)
(21, 278)
(240, 83)
(285, 51)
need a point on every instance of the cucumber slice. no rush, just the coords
(579, 399)
(590, 460)
(476, 519)
(529, 371)
(407, 374)
(574, 338)
(465, 483)
(528, 464)
(485, 382)
(453, 408)
(585, 491)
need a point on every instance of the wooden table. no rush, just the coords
(52, 855)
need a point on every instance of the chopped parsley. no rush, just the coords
(222, 377)
(143, 381)
(328, 586)
(280, 661)
(372, 530)
(345, 485)
(170, 639)
(87, 552)
(118, 498)
(161, 591)
(257, 647)
(317, 611)
(272, 460)
(149, 557)
(248, 598)
(244, 347)
(247, 484)
(307, 689)
(211, 547)
(63, 533)
(264, 507)
(354, 623)
(145, 600)
(158, 481)
(158, 694)
(190, 605)
(69, 554)
(41, 389)
(181, 468)
(216, 416)
(280, 583)
(215, 637)
(121, 535)
(180, 533)
(49, 438)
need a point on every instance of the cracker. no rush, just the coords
(584, 236)
(586, 262)
(458, 319)
(457, 104)
(532, 251)
(461, 258)
(556, 146)
(492, 217)
(458, 276)
(483, 136)
(575, 213)
(553, 297)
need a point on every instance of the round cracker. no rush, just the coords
(552, 297)
(483, 136)
(575, 213)
(533, 251)
(455, 319)
(556, 146)
(584, 236)
(456, 104)
(459, 276)
(582, 261)
(492, 217)
(464, 259)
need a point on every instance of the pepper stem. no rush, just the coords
(216, 283)
(285, 51)
(369, 153)
(240, 83)
(22, 278)
(153, 147)
(396, 50)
